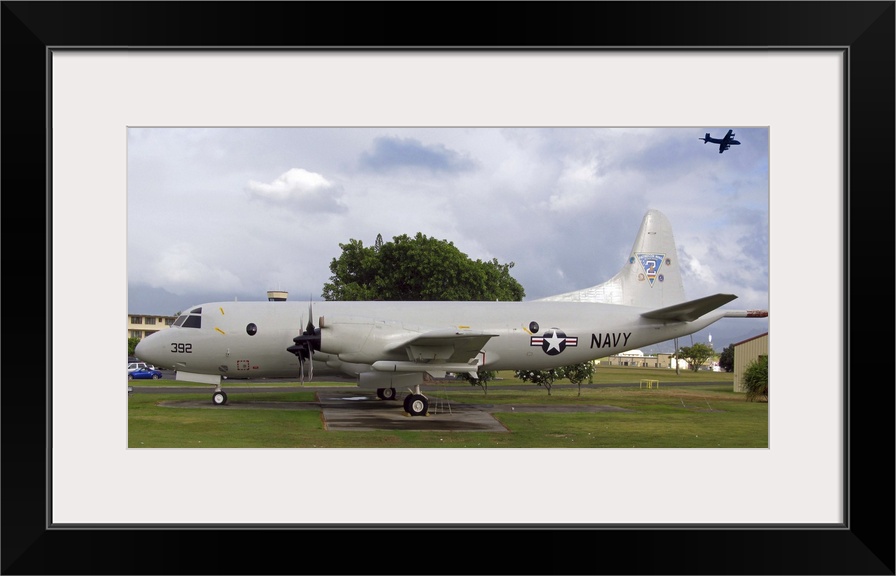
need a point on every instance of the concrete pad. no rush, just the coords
(361, 412)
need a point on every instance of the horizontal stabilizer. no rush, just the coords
(746, 314)
(691, 310)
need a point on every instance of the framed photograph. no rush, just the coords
(818, 76)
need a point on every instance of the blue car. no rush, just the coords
(144, 374)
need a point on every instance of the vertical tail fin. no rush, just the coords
(650, 278)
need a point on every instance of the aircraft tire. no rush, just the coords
(417, 405)
(379, 394)
(388, 394)
(219, 398)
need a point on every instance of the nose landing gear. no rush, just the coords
(219, 397)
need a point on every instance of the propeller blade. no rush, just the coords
(310, 362)
(305, 344)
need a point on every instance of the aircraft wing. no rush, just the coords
(444, 346)
(691, 310)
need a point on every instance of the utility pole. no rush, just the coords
(676, 357)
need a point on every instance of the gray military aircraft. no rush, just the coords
(725, 142)
(386, 345)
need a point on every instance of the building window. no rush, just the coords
(150, 321)
(136, 320)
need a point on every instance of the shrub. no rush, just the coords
(756, 379)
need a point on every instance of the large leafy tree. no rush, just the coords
(418, 268)
(696, 355)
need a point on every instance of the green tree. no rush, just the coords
(484, 377)
(756, 379)
(540, 377)
(696, 355)
(578, 373)
(132, 343)
(726, 359)
(418, 268)
(354, 273)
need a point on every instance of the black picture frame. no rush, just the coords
(864, 544)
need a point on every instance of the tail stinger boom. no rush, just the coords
(651, 278)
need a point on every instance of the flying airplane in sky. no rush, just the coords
(388, 345)
(724, 143)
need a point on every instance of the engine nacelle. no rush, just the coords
(363, 340)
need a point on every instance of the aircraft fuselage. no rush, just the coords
(250, 339)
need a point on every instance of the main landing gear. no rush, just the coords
(385, 393)
(415, 403)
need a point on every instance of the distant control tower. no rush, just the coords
(277, 295)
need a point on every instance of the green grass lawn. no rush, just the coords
(707, 416)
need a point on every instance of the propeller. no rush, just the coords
(305, 344)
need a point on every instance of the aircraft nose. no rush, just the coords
(148, 350)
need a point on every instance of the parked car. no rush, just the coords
(144, 374)
(137, 365)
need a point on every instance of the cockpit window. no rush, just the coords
(191, 320)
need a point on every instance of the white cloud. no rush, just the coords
(300, 189)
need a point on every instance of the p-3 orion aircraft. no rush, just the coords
(388, 345)
(725, 142)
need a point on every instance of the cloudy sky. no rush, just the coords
(230, 213)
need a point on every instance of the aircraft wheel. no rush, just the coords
(417, 405)
(388, 393)
(219, 398)
(407, 403)
(379, 394)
